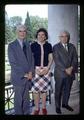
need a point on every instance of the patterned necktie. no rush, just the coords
(24, 49)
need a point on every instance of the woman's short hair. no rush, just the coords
(42, 30)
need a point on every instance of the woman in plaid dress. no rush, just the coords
(42, 51)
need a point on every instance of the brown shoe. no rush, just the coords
(44, 111)
(36, 112)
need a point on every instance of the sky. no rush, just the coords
(21, 10)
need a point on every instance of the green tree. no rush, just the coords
(9, 36)
(8, 32)
(29, 28)
(14, 22)
(37, 22)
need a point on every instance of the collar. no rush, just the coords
(21, 42)
(64, 44)
(41, 43)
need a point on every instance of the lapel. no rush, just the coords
(27, 50)
(63, 50)
(66, 54)
(68, 48)
(20, 51)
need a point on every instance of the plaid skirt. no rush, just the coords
(41, 83)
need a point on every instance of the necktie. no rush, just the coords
(24, 49)
(66, 47)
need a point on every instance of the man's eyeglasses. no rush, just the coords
(22, 31)
(64, 36)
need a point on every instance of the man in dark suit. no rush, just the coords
(22, 70)
(66, 65)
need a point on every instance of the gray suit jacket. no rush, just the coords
(19, 64)
(64, 59)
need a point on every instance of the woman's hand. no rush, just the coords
(38, 71)
(44, 70)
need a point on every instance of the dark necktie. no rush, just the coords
(24, 49)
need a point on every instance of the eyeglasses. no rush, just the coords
(22, 31)
(63, 36)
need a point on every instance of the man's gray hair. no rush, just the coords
(65, 31)
(21, 26)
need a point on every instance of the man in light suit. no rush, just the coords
(66, 65)
(22, 70)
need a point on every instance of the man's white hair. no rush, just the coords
(65, 31)
(21, 26)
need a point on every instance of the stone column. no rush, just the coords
(63, 17)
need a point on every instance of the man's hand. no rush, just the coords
(28, 75)
(69, 70)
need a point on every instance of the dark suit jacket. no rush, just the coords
(19, 64)
(64, 59)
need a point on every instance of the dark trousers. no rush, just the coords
(62, 91)
(21, 100)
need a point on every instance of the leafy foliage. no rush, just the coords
(33, 23)
(28, 25)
